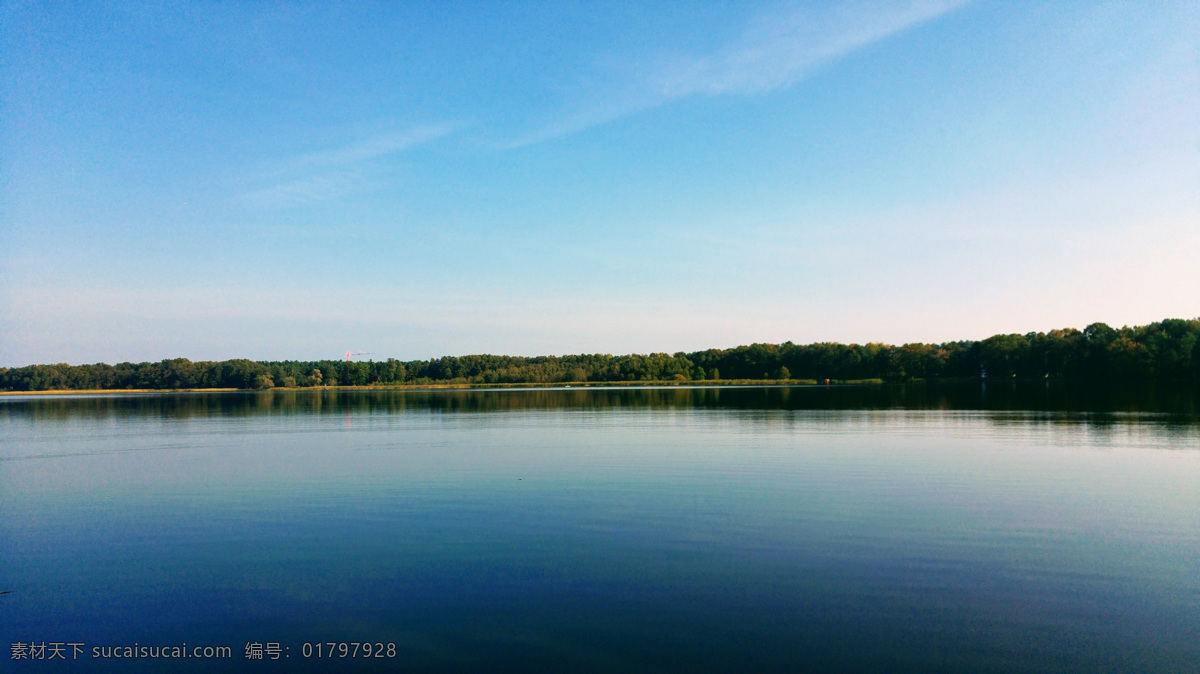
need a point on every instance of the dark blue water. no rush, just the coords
(802, 529)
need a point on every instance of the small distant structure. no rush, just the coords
(356, 353)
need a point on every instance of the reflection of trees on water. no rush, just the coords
(1096, 406)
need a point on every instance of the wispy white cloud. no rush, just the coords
(309, 189)
(337, 171)
(779, 49)
(774, 51)
(371, 148)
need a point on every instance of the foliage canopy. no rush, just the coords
(1168, 350)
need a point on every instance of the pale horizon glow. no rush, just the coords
(295, 181)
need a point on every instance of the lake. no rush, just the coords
(983, 528)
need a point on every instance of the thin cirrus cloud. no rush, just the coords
(338, 171)
(774, 51)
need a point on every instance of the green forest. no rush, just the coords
(1166, 351)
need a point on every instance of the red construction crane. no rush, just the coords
(356, 353)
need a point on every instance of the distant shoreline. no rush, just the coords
(1165, 351)
(437, 387)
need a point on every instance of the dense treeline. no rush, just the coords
(1165, 351)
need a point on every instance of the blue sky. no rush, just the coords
(294, 180)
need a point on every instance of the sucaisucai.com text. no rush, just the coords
(173, 651)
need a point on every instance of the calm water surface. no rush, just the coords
(768, 529)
